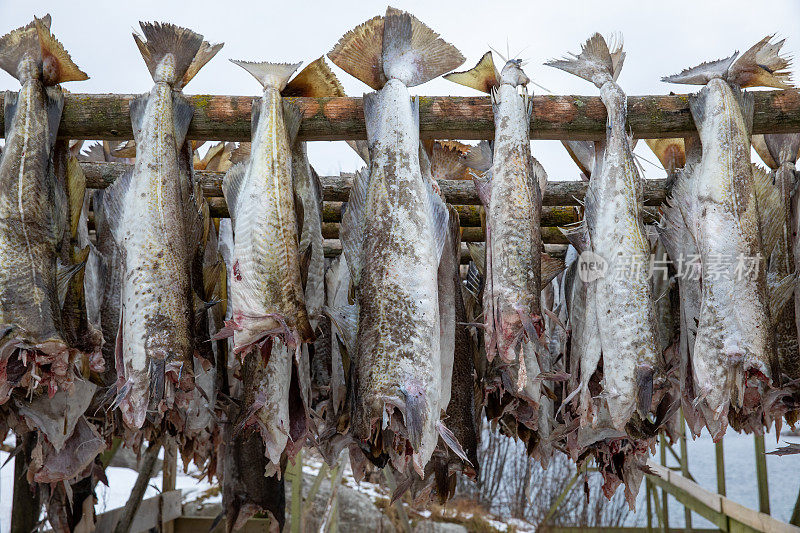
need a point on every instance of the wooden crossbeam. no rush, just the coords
(227, 118)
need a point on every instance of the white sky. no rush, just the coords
(660, 38)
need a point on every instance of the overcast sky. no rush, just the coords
(660, 38)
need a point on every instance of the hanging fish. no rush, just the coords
(33, 280)
(392, 235)
(154, 222)
(734, 220)
(614, 231)
(512, 196)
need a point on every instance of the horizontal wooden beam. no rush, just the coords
(333, 247)
(337, 188)
(550, 235)
(227, 118)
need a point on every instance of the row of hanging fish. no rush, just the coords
(242, 341)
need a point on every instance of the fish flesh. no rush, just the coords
(153, 220)
(33, 214)
(511, 194)
(392, 236)
(730, 206)
(632, 361)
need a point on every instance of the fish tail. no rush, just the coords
(670, 152)
(697, 105)
(447, 160)
(482, 77)
(19, 43)
(168, 50)
(784, 148)
(596, 62)
(352, 227)
(204, 55)
(316, 80)
(396, 45)
(762, 66)
(275, 75)
(704, 72)
(57, 65)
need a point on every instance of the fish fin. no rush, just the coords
(439, 219)
(125, 149)
(292, 117)
(480, 157)
(483, 186)
(361, 148)
(454, 231)
(274, 75)
(305, 261)
(114, 201)
(345, 320)
(64, 274)
(16, 45)
(617, 55)
(673, 228)
(76, 193)
(157, 372)
(182, 113)
(450, 439)
(704, 72)
(583, 154)
(138, 109)
(231, 184)
(55, 105)
(351, 231)
(58, 67)
(414, 53)
(757, 142)
(771, 211)
(551, 267)
(762, 66)
(9, 110)
(414, 415)
(578, 236)
(477, 252)
(784, 148)
(746, 103)
(644, 389)
(359, 53)
(316, 80)
(538, 177)
(670, 152)
(779, 294)
(594, 63)
(447, 161)
(205, 54)
(164, 40)
(482, 77)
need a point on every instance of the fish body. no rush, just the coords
(33, 206)
(151, 213)
(266, 289)
(392, 235)
(623, 297)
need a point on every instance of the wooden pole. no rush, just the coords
(25, 503)
(146, 468)
(761, 474)
(223, 117)
(297, 494)
(795, 519)
(405, 523)
(687, 513)
(648, 494)
(720, 457)
(664, 495)
(337, 188)
(169, 474)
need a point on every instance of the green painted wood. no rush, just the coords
(761, 474)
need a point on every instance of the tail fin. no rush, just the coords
(358, 53)
(784, 148)
(761, 66)
(582, 153)
(57, 66)
(480, 157)
(204, 55)
(162, 41)
(670, 152)
(395, 46)
(704, 72)
(596, 63)
(759, 143)
(482, 77)
(316, 80)
(447, 160)
(17, 44)
(412, 52)
(274, 75)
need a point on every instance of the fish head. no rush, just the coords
(512, 74)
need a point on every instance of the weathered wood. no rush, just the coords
(333, 247)
(223, 117)
(169, 476)
(761, 474)
(168, 504)
(337, 188)
(606, 529)
(330, 230)
(128, 513)
(719, 454)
